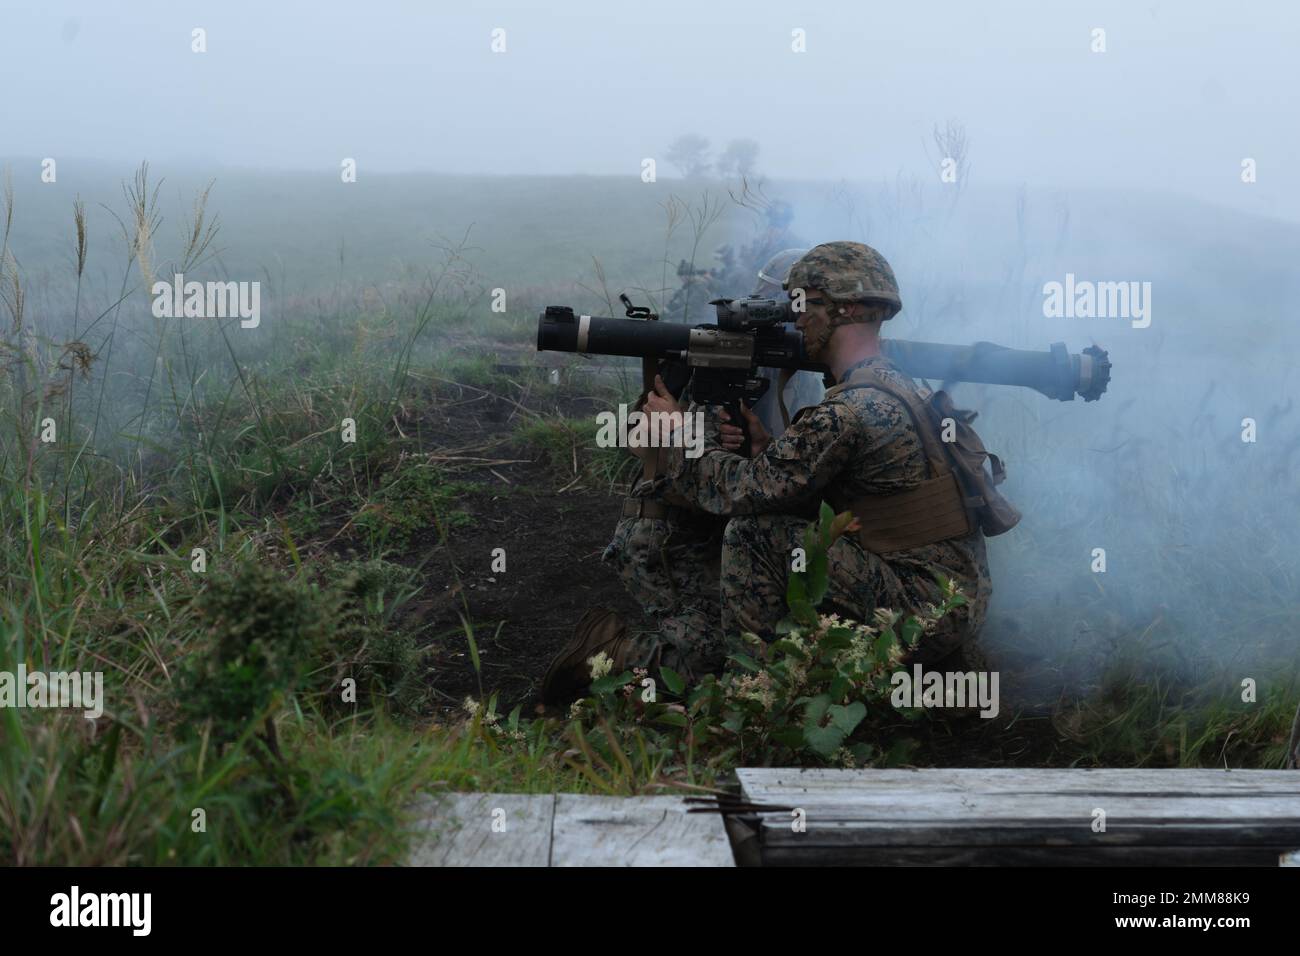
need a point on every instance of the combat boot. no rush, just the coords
(569, 674)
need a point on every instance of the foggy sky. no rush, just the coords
(1184, 92)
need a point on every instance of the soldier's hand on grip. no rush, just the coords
(661, 400)
(733, 436)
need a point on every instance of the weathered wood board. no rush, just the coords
(457, 829)
(480, 829)
(638, 831)
(1014, 816)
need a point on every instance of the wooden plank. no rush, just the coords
(941, 805)
(1144, 856)
(457, 829)
(921, 804)
(777, 830)
(763, 783)
(636, 831)
(960, 815)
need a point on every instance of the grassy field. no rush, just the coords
(288, 622)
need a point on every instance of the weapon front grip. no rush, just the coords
(739, 420)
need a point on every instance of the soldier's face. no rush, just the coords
(814, 322)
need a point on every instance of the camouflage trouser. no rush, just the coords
(756, 557)
(670, 567)
(703, 592)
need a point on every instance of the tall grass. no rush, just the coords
(190, 439)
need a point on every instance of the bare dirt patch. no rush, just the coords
(553, 527)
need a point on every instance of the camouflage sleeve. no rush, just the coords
(794, 469)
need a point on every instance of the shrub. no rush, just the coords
(259, 632)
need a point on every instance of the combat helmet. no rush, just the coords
(847, 272)
(773, 273)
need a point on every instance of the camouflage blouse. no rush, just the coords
(858, 442)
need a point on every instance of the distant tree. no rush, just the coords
(953, 146)
(739, 158)
(690, 154)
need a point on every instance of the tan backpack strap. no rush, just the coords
(934, 453)
(649, 468)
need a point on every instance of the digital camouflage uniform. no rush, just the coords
(670, 566)
(858, 442)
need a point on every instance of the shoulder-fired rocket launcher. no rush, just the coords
(718, 362)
